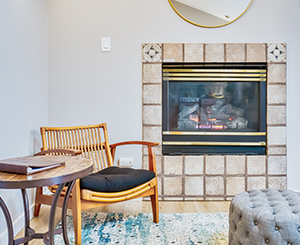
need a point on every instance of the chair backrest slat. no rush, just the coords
(92, 140)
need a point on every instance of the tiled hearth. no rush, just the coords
(216, 177)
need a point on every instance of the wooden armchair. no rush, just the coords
(95, 190)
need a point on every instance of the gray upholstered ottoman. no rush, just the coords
(265, 217)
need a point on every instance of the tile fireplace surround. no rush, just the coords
(216, 177)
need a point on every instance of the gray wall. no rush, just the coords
(23, 90)
(87, 86)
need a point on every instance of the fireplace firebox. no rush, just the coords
(214, 108)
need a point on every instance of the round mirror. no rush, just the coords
(210, 13)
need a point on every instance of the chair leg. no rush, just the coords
(155, 207)
(76, 210)
(37, 205)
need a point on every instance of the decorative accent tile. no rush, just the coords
(152, 52)
(193, 186)
(173, 51)
(276, 52)
(235, 164)
(214, 52)
(235, 52)
(193, 52)
(214, 186)
(193, 165)
(152, 73)
(173, 165)
(235, 185)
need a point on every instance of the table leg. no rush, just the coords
(8, 222)
(52, 213)
(26, 214)
(64, 212)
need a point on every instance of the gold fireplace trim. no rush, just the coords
(261, 143)
(213, 133)
(223, 79)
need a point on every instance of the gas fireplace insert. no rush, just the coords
(214, 108)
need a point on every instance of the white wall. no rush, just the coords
(23, 90)
(87, 86)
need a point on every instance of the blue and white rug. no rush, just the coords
(138, 229)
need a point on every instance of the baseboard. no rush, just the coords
(18, 225)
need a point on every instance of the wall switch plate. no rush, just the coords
(125, 162)
(105, 44)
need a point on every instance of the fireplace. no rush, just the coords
(216, 176)
(214, 108)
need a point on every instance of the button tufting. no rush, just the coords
(247, 234)
(255, 222)
(298, 229)
(276, 228)
(267, 241)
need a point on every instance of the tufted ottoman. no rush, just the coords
(265, 216)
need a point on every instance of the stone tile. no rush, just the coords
(194, 165)
(256, 183)
(152, 94)
(276, 94)
(159, 186)
(277, 165)
(256, 52)
(152, 115)
(156, 149)
(276, 136)
(152, 73)
(277, 182)
(235, 164)
(173, 198)
(193, 52)
(193, 186)
(256, 165)
(235, 52)
(173, 165)
(214, 165)
(235, 185)
(214, 52)
(194, 198)
(158, 163)
(214, 198)
(152, 134)
(172, 186)
(173, 51)
(214, 186)
(276, 150)
(276, 73)
(276, 115)
(152, 52)
(276, 52)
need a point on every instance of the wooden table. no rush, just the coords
(75, 167)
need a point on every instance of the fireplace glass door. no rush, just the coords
(222, 106)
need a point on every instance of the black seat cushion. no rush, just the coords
(113, 179)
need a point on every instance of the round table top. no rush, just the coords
(75, 167)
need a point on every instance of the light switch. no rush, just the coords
(105, 41)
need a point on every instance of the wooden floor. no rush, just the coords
(40, 224)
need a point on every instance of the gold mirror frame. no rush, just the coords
(208, 26)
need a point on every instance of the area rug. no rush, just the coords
(138, 228)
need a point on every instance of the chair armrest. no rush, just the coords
(149, 144)
(71, 152)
